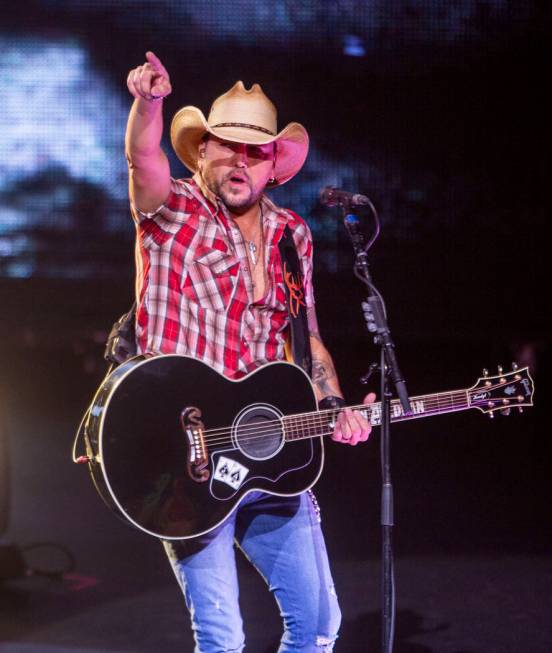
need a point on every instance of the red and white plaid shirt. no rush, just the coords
(194, 286)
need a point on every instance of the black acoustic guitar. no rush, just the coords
(173, 446)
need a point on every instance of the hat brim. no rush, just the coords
(189, 126)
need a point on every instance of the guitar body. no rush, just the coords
(175, 445)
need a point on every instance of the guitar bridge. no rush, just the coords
(197, 459)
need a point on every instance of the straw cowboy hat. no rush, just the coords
(241, 116)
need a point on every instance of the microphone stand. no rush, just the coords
(376, 321)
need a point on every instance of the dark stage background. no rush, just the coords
(436, 110)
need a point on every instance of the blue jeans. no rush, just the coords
(282, 538)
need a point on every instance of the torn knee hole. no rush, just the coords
(326, 644)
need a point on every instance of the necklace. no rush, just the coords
(252, 245)
(252, 252)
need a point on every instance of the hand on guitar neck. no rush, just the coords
(351, 426)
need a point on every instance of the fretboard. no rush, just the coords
(319, 423)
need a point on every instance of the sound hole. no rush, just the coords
(258, 432)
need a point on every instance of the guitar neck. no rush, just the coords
(319, 423)
(434, 404)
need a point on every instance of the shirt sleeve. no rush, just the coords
(155, 228)
(176, 208)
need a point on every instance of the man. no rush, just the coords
(210, 285)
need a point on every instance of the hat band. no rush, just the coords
(242, 124)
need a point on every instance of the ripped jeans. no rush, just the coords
(282, 538)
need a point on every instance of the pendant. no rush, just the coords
(253, 252)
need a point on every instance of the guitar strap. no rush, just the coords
(295, 300)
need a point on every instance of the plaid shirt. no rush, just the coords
(194, 285)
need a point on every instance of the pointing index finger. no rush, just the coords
(156, 64)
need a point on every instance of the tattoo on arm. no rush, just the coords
(313, 324)
(322, 373)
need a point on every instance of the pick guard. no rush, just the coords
(264, 475)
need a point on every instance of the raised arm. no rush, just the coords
(149, 174)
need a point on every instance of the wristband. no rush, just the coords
(330, 402)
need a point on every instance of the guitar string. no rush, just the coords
(253, 432)
(321, 418)
(303, 428)
(302, 433)
(292, 426)
(293, 433)
(430, 401)
(304, 423)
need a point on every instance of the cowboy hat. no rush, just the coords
(241, 116)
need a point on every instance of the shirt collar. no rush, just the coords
(272, 212)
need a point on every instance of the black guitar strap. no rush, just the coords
(295, 298)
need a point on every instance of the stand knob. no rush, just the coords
(369, 317)
(373, 367)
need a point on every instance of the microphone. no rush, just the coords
(330, 196)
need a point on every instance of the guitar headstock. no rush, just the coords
(503, 391)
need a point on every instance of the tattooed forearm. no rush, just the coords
(324, 376)
(313, 323)
(323, 372)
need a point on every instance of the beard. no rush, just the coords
(237, 200)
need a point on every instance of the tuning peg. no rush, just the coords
(515, 367)
(520, 409)
(499, 368)
(485, 372)
(491, 415)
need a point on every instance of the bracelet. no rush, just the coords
(331, 401)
